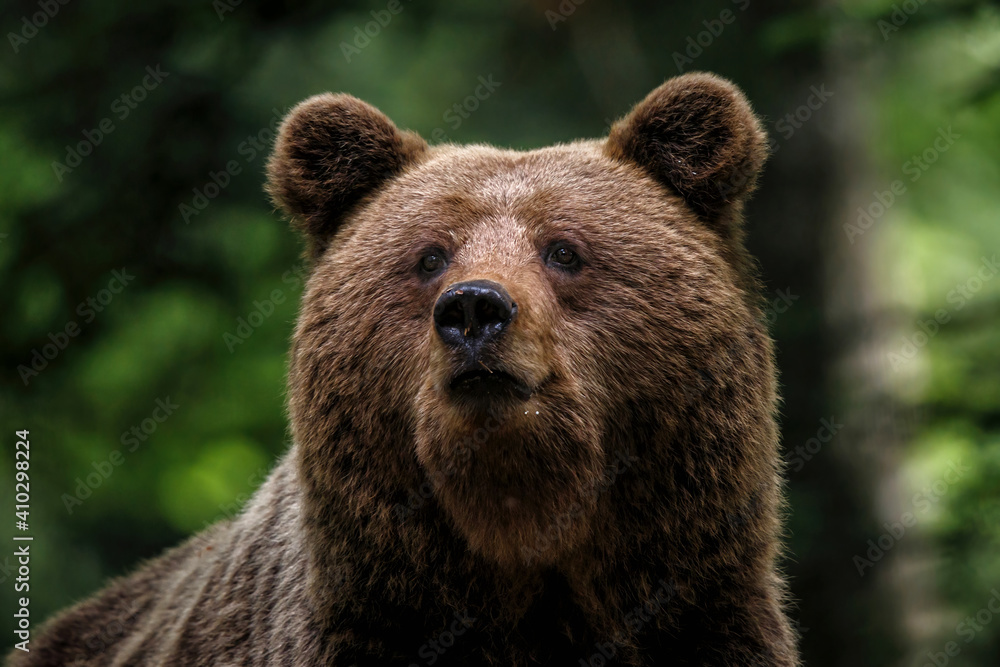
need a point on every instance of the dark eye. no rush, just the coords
(563, 257)
(432, 262)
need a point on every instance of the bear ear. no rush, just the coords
(697, 134)
(331, 151)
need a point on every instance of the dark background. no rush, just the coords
(916, 400)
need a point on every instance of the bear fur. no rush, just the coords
(606, 492)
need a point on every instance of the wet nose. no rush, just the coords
(473, 313)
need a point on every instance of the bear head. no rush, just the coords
(528, 351)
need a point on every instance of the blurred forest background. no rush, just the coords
(876, 228)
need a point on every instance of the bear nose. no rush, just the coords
(473, 313)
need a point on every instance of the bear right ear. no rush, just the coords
(331, 151)
(696, 134)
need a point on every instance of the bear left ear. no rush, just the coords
(332, 151)
(697, 134)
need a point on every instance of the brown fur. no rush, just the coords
(627, 508)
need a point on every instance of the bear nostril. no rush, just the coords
(487, 313)
(451, 316)
(471, 313)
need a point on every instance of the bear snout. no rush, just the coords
(471, 318)
(470, 315)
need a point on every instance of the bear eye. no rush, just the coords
(563, 256)
(432, 262)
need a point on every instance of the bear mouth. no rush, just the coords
(483, 384)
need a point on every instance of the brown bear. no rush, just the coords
(533, 406)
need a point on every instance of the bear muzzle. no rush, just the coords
(471, 318)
